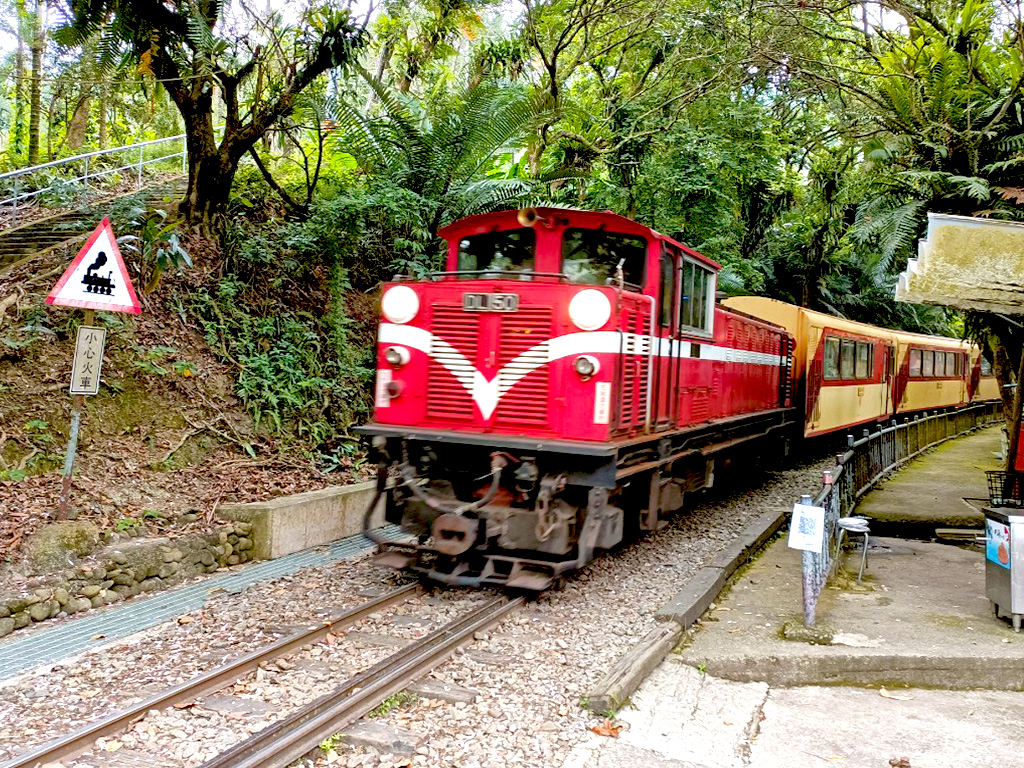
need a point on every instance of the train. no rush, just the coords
(570, 376)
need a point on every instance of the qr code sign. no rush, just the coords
(807, 528)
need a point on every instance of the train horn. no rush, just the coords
(528, 217)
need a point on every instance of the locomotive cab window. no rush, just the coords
(667, 291)
(592, 257)
(697, 285)
(831, 358)
(986, 367)
(511, 250)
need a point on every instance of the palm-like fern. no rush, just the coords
(442, 154)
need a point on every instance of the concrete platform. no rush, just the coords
(931, 488)
(920, 673)
(921, 618)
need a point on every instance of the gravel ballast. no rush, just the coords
(531, 673)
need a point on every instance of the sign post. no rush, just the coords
(96, 279)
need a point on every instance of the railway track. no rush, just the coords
(288, 739)
(82, 740)
(298, 733)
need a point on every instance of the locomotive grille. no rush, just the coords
(635, 352)
(525, 397)
(447, 397)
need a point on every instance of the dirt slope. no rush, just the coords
(166, 436)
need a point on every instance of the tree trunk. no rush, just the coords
(79, 122)
(36, 84)
(16, 135)
(1014, 421)
(104, 94)
(211, 171)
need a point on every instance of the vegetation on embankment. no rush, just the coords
(240, 380)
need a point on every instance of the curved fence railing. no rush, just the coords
(18, 188)
(863, 464)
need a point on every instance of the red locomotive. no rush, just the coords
(566, 380)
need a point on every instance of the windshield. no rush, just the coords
(508, 251)
(590, 256)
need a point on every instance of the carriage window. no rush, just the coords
(847, 359)
(927, 363)
(508, 251)
(986, 367)
(668, 286)
(591, 256)
(952, 358)
(831, 358)
(940, 363)
(915, 363)
(864, 360)
(697, 281)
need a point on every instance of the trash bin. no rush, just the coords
(1004, 562)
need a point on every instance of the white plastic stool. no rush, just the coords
(854, 525)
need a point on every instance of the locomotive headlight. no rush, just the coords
(586, 366)
(400, 304)
(589, 309)
(396, 356)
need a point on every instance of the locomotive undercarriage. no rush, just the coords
(520, 514)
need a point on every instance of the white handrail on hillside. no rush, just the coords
(84, 178)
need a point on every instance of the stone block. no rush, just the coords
(57, 545)
(292, 523)
(6, 626)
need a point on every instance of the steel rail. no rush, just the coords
(285, 741)
(83, 739)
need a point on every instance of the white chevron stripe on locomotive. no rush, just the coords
(487, 393)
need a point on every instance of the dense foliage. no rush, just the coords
(799, 143)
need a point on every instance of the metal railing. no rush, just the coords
(864, 463)
(81, 169)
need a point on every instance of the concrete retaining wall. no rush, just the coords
(292, 523)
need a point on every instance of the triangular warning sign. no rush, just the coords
(97, 278)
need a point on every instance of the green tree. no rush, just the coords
(200, 59)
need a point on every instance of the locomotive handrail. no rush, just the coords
(864, 463)
(516, 273)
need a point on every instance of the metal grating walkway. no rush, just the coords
(72, 637)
